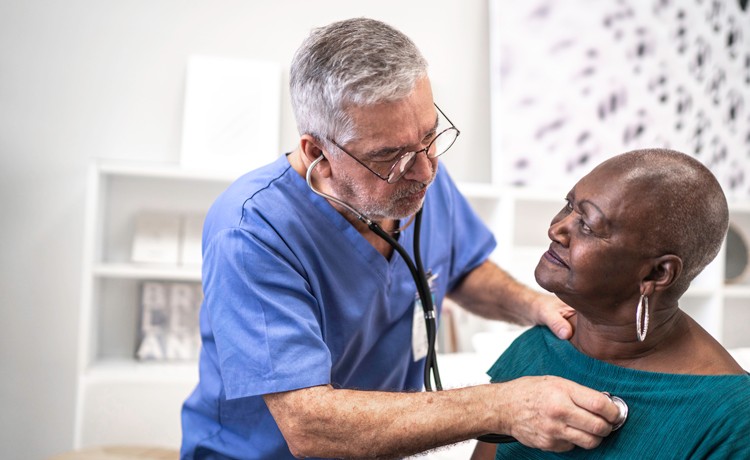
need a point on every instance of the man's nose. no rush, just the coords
(422, 169)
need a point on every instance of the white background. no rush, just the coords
(86, 79)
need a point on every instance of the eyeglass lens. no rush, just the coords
(439, 145)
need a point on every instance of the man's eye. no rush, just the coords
(429, 138)
(388, 158)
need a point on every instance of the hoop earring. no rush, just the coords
(641, 324)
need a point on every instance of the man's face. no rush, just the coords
(384, 133)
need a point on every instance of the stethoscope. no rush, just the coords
(422, 281)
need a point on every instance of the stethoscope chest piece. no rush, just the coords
(622, 406)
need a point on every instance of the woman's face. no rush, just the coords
(597, 256)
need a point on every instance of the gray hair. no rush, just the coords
(356, 62)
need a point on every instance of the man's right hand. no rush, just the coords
(553, 414)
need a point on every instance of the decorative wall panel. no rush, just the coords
(577, 81)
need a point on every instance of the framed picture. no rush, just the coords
(231, 114)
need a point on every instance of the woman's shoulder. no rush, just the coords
(701, 354)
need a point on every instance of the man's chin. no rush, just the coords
(407, 213)
(409, 205)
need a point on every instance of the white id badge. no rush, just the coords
(418, 333)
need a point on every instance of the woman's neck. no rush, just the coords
(618, 343)
(675, 344)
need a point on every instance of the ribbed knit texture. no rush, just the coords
(671, 416)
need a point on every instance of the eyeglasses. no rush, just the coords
(391, 172)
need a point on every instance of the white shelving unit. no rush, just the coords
(121, 400)
(124, 401)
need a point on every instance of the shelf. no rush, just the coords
(480, 190)
(162, 171)
(553, 196)
(492, 191)
(131, 371)
(737, 292)
(739, 207)
(699, 292)
(132, 405)
(133, 271)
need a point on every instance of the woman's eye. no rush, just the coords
(584, 226)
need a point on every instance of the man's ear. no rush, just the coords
(665, 271)
(310, 149)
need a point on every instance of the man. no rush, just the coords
(310, 347)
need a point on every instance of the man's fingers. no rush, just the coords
(580, 438)
(599, 404)
(556, 315)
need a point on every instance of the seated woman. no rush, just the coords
(632, 236)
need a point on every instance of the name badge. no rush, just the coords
(419, 343)
(418, 333)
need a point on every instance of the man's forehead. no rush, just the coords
(390, 127)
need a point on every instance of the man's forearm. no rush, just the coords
(544, 412)
(324, 422)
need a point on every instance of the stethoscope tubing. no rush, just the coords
(417, 271)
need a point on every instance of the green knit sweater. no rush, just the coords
(671, 416)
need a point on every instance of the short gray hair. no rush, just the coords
(355, 62)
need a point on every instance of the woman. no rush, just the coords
(632, 236)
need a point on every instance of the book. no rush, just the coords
(169, 326)
(156, 238)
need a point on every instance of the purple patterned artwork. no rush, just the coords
(577, 81)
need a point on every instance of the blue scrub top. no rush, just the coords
(295, 297)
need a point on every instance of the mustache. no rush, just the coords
(413, 188)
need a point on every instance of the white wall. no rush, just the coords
(86, 79)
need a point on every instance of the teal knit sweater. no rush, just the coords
(671, 416)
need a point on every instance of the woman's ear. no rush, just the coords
(310, 149)
(665, 271)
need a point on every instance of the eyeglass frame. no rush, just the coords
(412, 153)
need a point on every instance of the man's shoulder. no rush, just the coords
(266, 177)
(262, 188)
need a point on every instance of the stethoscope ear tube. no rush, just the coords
(431, 365)
(425, 296)
(493, 438)
(347, 206)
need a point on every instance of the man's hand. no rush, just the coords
(555, 314)
(554, 414)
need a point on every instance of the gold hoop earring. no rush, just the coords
(641, 323)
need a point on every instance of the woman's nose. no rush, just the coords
(559, 231)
